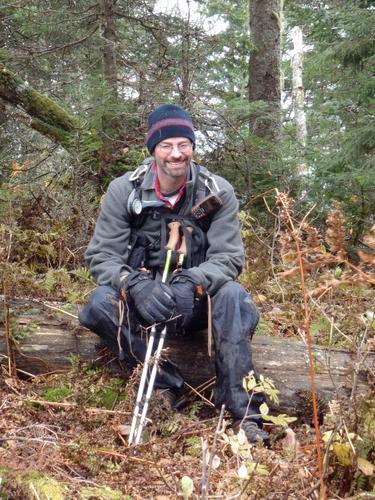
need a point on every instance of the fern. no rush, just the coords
(73, 296)
(82, 273)
(49, 281)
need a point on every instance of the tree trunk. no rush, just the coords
(111, 122)
(264, 67)
(50, 343)
(185, 87)
(109, 46)
(299, 99)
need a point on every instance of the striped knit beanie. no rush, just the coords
(168, 120)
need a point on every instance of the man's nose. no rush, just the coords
(176, 153)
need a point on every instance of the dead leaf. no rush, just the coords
(290, 442)
(124, 430)
(365, 466)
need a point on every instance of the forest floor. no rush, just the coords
(63, 435)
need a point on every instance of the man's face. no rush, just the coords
(173, 156)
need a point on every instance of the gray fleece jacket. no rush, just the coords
(108, 249)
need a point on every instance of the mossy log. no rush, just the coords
(48, 340)
(48, 118)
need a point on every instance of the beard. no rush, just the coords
(174, 168)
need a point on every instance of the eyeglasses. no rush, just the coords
(168, 148)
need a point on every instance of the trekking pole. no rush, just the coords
(142, 383)
(139, 419)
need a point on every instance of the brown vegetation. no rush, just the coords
(63, 435)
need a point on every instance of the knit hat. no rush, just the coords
(168, 120)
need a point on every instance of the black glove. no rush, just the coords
(153, 300)
(186, 291)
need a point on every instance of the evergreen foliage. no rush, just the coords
(340, 90)
(90, 73)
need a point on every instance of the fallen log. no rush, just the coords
(49, 339)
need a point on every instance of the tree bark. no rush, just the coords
(109, 43)
(111, 126)
(186, 77)
(51, 342)
(264, 66)
(298, 95)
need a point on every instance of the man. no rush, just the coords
(127, 255)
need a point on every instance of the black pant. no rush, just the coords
(234, 318)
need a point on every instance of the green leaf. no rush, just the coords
(187, 486)
(260, 469)
(337, 272)
(264, 410)
(282, 419)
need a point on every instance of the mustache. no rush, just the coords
(180, 160)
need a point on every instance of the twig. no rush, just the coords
(370, 280)
(245, 486)
(204, 469)
(18, 369)
(205, 385)
(199, 394)
(126, 457)
(67, 45)
(19, 438)
(309, 344)
(9, 342)
(277, 221)
(316, 304)
(350, 441)
(74, 405)
(60, 310)
(33, 489)
(358, 362)
(328, 445)
(162, 477)
(213, 448)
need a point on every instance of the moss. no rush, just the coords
(15, 485)
(194, 447)
(263, 328)
(18, 92)
(19, 332)
(324, 333)
(102, 493)
(48, 117)
(56, 394)
(45, 487)
(106, 397)
(55, 133)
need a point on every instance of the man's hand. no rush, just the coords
(186, 290)
(153, 300)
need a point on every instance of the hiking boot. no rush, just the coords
(253, 432)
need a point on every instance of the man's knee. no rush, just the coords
(101, 305)
(232, 304)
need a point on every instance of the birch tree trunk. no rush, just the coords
(298, 95)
